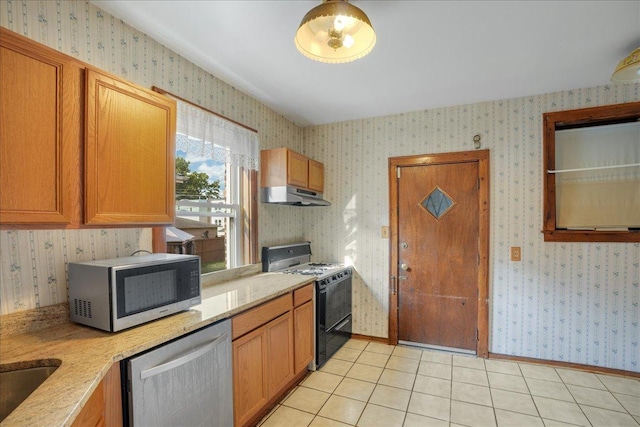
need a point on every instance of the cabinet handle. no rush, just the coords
(147, 373)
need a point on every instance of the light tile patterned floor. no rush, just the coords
(373, 384)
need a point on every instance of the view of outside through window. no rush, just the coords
(202, 210)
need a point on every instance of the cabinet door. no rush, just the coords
(279, 334)
(297, 169)
(104, 407)
(303, 336)
(40, 133)
(250, 392)
(129, 153)
(316, 176)
(112, 397)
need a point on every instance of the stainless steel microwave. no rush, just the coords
(116, 294)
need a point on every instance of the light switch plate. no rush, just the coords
(516, 253)
(385, 232)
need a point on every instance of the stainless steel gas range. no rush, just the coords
(332, 293)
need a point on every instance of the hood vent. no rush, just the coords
(288, 195)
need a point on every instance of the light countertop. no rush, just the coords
(86, 354)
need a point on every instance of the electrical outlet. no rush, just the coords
(516, 254)
(385, 232)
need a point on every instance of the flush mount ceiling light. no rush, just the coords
(335, 32)
(628, 70)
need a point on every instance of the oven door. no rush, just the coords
(333, 318)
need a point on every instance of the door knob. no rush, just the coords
(404, 267)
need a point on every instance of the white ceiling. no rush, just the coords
(428, 54)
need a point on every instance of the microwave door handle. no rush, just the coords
(147, 373)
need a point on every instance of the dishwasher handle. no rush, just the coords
(147, 373)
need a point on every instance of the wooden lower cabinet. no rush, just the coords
(279, 367)
(249, 382)
(304, 347)
(272, 355)
(104, 407)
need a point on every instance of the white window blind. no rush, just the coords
(598, 177)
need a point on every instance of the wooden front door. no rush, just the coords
(438, 245)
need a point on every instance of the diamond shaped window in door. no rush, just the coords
(437, 203)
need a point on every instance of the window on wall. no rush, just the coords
(592, 174)
(216, 187)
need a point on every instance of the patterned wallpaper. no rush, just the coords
(575, 302)
(34, 263)
(572, 302)
(34, 275)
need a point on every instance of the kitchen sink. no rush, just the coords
(16, 384)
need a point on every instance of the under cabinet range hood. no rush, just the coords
(289, 195)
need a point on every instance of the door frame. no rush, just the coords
(482, 158)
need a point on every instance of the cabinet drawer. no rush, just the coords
(258, 316)
(302, 295)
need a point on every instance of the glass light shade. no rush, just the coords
(335, 32)
(628, 70)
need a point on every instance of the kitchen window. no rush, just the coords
(592, 174)
(216, 188)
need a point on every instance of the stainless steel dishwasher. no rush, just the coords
(187, 382)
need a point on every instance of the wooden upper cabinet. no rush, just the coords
(281, 166)
(73, 137)
(316, 176)
(40, 133)
(129, 153)
(297, 169)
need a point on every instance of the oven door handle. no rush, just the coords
(344, 322)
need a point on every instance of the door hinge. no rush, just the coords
(477, 335)
(478, 183)
(398, 172)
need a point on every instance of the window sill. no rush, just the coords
(591, 236)
(217, 277)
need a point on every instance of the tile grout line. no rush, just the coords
(529, 391)
(415, 374)
(572, 396)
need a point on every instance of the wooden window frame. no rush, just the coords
(248, 220)
(248, 213)
(585, 117)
